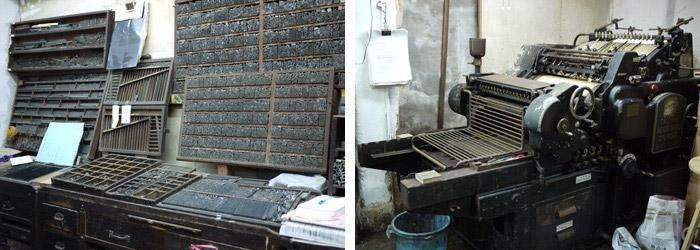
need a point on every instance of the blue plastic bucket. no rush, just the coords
(419, 231)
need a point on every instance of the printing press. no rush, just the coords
(563, 148)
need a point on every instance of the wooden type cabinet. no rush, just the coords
(72, 220)
(18, 211)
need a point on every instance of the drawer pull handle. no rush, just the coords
(567, 211)
(60, 246)
(7, 208)
(563, 235)
(58, 216)
(165, 224)
(126, 238)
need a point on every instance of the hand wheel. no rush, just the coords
(581, 103)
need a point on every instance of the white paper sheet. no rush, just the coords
(9, 151)
(121, 13)
(115, 116)
(388, 58)
(21, 160)
(60, 143)
(126, 114)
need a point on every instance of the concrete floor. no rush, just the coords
(379, 241)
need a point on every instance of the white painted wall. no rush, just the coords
(160, 39)
(8, 83)
(376, 116)
(509, 24)
(647, 14)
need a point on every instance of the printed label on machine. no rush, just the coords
(582, 178)
(565, 225)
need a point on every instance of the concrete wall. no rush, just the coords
(647, 14)
(160, 39)
(509, 24)
(376, 114)
(8, 83)
(423, 20)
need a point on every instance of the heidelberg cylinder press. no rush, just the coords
(562, 149)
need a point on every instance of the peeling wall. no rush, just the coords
(509, 24)
(423, 20)
(8, 82)
(161, 28)
(376, 114)
(645, 14)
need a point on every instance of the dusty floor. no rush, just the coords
(379, 241)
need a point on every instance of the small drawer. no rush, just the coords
(18, 231)
(16, 207)
(59, 218)
(563, 209)
(565, 234)
(121, 233)
(54, 241)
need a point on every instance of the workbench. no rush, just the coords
(43, 216)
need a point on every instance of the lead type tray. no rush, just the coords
(155, 184)
(104, 173)
(235, 197)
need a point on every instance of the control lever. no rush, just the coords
(629, 167)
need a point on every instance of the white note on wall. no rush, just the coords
(126, 114)
(388, 58)
(122, 13)
(115, 115)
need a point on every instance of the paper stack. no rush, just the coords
(319, 221)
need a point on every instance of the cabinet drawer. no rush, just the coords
(16, 207)
(120, 233)
(563, 235)
(59, 218)
(54, 241)
(17, 231)
(563, 209)
(175, 241)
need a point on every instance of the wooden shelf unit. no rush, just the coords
(69, 34)
(336, 137)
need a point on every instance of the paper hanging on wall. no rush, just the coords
(388, 58)
(115, 116)
(126, 114)
(129, 10)
(60, 143)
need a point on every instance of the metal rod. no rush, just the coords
(443, 63)
(581, 52)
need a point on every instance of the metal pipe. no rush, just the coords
(443, 63)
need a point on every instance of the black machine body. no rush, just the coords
(562, 149)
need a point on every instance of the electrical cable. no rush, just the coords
(371, 23)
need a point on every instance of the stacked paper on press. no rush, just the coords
(319, 221)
